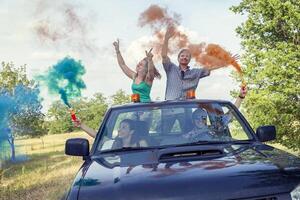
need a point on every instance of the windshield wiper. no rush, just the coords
(201, 142)
(126, 149)
(241, 141)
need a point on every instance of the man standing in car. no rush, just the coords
(181, 78)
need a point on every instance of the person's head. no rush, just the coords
(199, 118)
(184, 57)
(126, 128)
(142, 69)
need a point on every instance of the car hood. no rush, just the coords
(243, 171)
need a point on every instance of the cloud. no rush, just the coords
(52, 55)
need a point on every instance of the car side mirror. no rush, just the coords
(266, 133)
(77, 147)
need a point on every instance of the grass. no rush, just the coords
(48, 172)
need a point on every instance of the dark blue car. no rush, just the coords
(194, 149)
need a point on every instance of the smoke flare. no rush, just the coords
(207, 55)
(65, 79)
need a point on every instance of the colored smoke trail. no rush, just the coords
(4, 144)
(64, 24)
(212, 55)
(207, 55)
(7, 106)
(44, 32)
(65, 79)
(158, 18)
(20, 102)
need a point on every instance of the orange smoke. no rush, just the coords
(158, 17)
(73, 21)
(213, 56)
(207, 55)
(44, 32)
(66, 28)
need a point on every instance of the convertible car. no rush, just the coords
(191, 149)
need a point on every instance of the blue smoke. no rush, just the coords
(7, 108)
(21, 101)
(64, 79)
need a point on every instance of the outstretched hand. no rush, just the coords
(170, 32)
(236, 57)
(243, 92)
(149, 55)
(76, 123)
(116, 45)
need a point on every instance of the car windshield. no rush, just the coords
(168, 125)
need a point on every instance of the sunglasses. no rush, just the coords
(200, 118)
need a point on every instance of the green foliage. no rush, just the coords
(59, 118)
(30, 124)
(271, 41)
(92, 111)
(30, 120)
(89, 111)
(11, 76)
(120, 98)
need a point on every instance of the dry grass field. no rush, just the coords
(48, 172)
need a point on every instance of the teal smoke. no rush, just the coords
(65, 79)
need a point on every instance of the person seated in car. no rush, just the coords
(127, 137)
(200, 130)
(220, 122)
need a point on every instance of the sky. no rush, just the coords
(90, 39)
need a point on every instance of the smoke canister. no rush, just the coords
(73, 115)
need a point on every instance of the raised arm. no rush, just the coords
(164, 51)
(151, 69)
(91, 132)
(242, 95)
(237, 103)
(121, 61)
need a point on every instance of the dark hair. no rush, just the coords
(118, 143)
(135, 138)
(129, 122)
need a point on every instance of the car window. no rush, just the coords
(171, 125)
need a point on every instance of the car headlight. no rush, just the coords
(295, 194)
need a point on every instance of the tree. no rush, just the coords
(270, 38)
(120, 97)
(59, 118)
(92, 111)
(20, 105)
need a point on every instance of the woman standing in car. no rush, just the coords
(143, 76)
